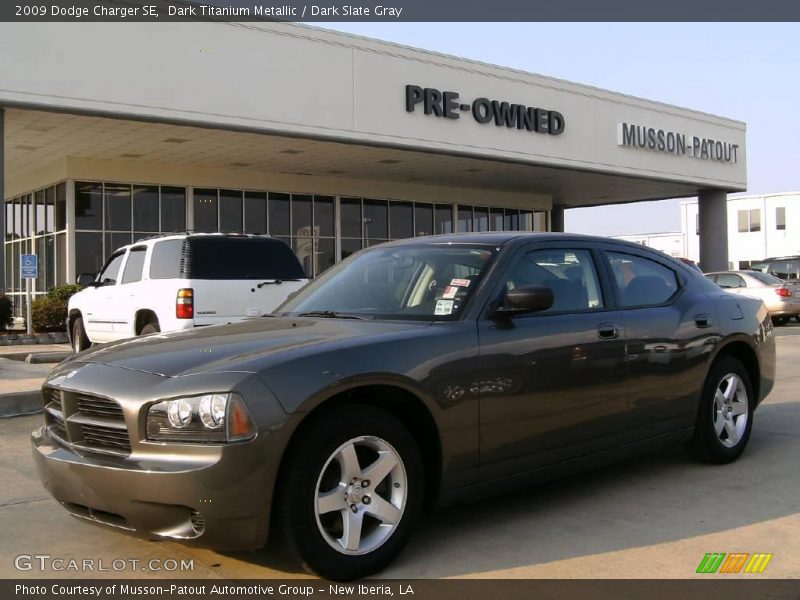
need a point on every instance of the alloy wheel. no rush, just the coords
(730, 410)
(360, 495)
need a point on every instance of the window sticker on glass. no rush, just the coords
(450, 292)
(460, 282)
(443, 307)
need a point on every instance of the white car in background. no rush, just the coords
(180, 281)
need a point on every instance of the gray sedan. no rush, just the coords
(415, 373)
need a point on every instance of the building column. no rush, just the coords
(2, 199)
(712, 206)
(557, 218)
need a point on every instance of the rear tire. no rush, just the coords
(797, 318)
(779, 321)
(725, 415)
(351, 492)
(80, 341)
(150, 327)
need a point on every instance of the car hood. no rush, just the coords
(247, 346)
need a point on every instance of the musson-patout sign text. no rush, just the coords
(504, 114)
(672, 142)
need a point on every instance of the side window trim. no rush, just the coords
(680, 281)
(111, 259)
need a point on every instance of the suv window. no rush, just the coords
(569, 273)
(783, 269)
(218, 257)
(110, 272)
(730, 280)
(134, 266)
(640, 281)
(165, 261)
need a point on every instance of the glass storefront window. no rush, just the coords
(89, 206)
(50, 209)
(173, 209)
(145, 208)
(444, 219)
(40, 223)
(481, 221)
(464, 219)
(255, 212)
(350, 217)
(301, 215)
(230, 211)
(401, 220)
(118, 207)
(323, 216)
(423, 219)
(376, 219)
(88, 252)
(61, 206)
(205, 210)
(279, 215)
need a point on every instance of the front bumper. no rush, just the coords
(209, 495)
(207, 501)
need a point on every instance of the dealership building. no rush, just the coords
(115, 132)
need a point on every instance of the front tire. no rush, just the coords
(351, 491)
(725, 416)
(80, 341)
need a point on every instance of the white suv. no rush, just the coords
(180, 281)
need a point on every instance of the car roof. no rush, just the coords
(506, 237)
(186, 234)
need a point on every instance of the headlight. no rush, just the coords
(207, 418)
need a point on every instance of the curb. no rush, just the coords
(17, 404)
(47, 357)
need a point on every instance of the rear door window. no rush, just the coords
(217, 257)
(134, 266)
(642, 282)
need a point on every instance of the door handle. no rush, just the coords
(702, 321)
(608, 331)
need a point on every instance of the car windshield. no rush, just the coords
(423, 282)
(766, 278)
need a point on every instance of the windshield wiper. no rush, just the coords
(332, 314)
(274, 282)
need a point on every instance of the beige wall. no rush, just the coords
(305, 81)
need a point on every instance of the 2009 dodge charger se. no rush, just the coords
(414, 373)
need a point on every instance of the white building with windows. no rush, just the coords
(759, 227)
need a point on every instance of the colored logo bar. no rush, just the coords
(735, 562)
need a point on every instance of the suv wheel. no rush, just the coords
(352, 492)
(725, 417)
(79, 340)
(780, 320)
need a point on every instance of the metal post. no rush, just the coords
(712, 206)
(557, 218)
(28, 318)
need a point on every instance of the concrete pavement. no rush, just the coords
(652, 517)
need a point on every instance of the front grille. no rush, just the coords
(95, 406)
(89, 422)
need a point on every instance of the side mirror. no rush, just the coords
(525, 299)
(85, 280)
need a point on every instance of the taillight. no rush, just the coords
(783, 292)
(184, 304)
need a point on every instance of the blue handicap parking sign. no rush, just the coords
(29, 266)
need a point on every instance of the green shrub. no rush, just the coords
(48, 314)
(6, 311)
(64, 292)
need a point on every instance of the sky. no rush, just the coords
(744, 71)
